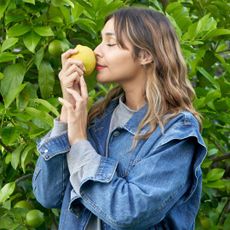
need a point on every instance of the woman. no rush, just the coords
(134, 161)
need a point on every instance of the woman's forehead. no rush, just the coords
(108, 29)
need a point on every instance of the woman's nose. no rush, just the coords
(97, 51)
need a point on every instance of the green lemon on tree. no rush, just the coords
(23, 204)
(34, 218)
(87, 56)
(205, 222)
(57, 47)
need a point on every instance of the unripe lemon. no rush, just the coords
(87, 56)
(34, 218)
(56, 47)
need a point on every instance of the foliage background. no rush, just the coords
(29, 88)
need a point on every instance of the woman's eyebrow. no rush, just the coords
(109, 34)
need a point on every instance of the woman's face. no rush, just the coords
(114, 64)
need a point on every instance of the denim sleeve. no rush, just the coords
(145, 196)
(51, 173)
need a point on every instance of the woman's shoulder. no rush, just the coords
(183, 125)
(184, 118)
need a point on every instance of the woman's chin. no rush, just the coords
(102, 78)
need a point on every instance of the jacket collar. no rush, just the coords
(132, 124)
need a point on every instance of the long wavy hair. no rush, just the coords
(168, 89)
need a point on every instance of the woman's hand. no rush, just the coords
(77, 113)
(69, 77)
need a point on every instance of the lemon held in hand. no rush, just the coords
(87, 56)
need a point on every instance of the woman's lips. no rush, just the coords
(100, 67)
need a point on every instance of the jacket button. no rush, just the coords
(116, 133)
(47, 157)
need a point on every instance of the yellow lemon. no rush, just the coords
(87, 56)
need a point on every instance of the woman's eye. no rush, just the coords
(111, 44)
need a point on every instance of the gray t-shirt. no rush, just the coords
(121, 114)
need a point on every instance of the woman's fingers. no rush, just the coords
(71, 61)
(65, 103)
(72, 69)
(69, 108)
(68, 82)
(67, 54)
(83, 87)
(75, 95)
(84, 91)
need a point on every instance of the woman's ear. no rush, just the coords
(145, 57)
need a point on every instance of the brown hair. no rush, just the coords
(168, 89)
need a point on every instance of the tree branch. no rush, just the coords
(23, 178)
(220, 158)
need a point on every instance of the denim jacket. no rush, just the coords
(157, 185)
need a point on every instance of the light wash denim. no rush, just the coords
(156, 186)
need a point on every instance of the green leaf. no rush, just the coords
(6, 191)
(208, 77)
(9, 43)
(10, 85)
(31, 41)
(18, 30)
(226, 222)
(15, 15)
(15, 159)
(46, 104)
(38, 57)
(30, 1)
(212, 95)
(26, 157)
(217, 32)
(206, 23)
(84, 3)
(11, 97)
(180, 14)
(9, 135)
(3, 6)
(46, 79)
(43, 31)
(200, 29)
(6, 57)
(41, 115)
(215, 174)
(28, 93)
(87, 24)
(215, 184)
(68, 3)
